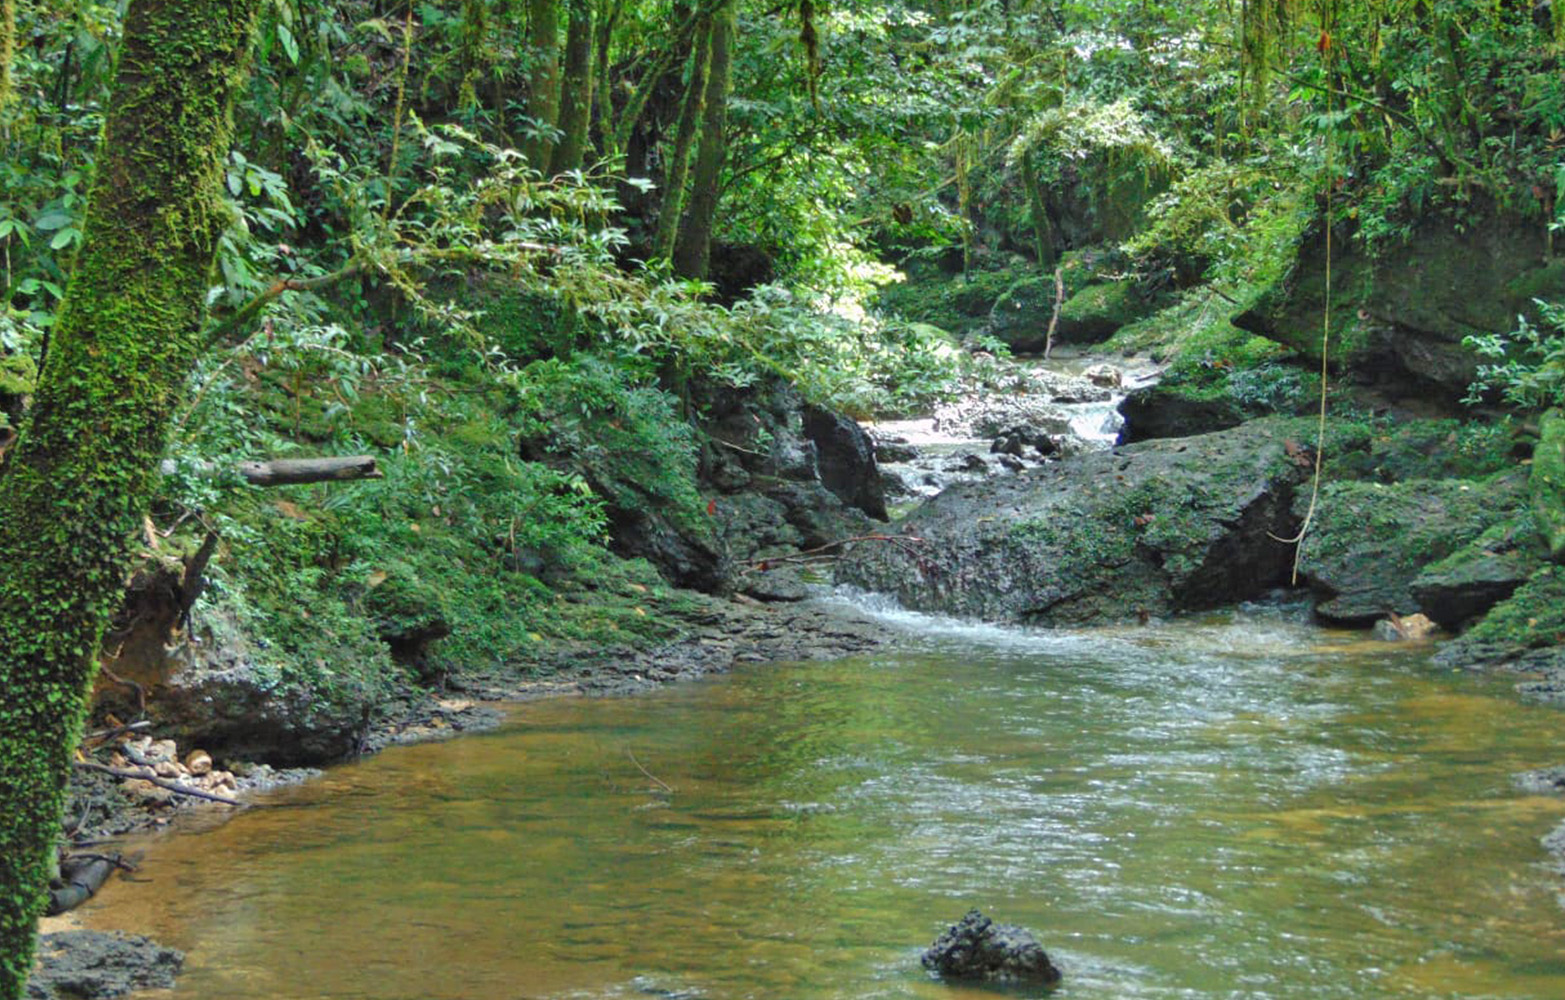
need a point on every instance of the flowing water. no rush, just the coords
(1239, 806)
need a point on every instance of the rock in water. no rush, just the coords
(978, 948)
(99, 964)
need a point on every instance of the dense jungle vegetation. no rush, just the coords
(444, 228)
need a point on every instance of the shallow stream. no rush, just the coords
(1235, 806)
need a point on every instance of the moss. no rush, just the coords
(951, 302)
(1429, 449)
(122, 348)
(1533, 617)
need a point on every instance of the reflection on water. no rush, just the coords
(1234, 807)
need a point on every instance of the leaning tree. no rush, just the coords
(116, 363)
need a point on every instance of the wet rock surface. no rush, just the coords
(1142, 530)
(977, 948)
(720, 634)
(87, 965)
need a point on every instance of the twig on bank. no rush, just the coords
(903, 542)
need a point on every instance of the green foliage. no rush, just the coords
(1528, 366)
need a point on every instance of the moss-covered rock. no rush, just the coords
(17, 375)
(952, 302)
(1090, 314)
(1525, 631)
(408, 613)
(1145, 529)
(1097, 312)
(1405, 449)
(1406, 306)
(1369, 541)
(1463, 586)
(1546, 486)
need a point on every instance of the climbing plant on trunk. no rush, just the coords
(79, 480)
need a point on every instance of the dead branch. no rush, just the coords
(294, 471)
(1059, 302)
(650, 776)
(119, 772)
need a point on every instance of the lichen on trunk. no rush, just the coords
(120, 353)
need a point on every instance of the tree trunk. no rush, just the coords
(694, 249)
(543, 81)
(80, 478)
(1038, 209)
(576, 89)
(603, 122)
(678, 167)
(7, 49)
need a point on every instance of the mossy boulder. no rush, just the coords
(1090, 314)
(1404, 306)
(1546, 486)
(1466, 584)
(1525, 632)
(1144, 529)
(1369, 541)
(1097, 312)
(1203, 398)
(958, 304)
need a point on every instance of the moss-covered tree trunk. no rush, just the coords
(575, 89)
(693, 251)
(543, 81)
(81, 475)
(677, 169)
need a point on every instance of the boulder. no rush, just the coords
(1525, 632)
(1089, 315)
(977, 948)
(1107, 536)
(845, 457)
(1402, 308)
(1464, 585)
(1168, 411)
(1368, 542)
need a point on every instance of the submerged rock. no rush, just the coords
(977, 948)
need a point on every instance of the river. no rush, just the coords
(1239, 805)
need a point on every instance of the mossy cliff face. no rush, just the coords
(80, 478)
(1404, 309)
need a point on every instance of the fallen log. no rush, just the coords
(83, 881)
(295, 471)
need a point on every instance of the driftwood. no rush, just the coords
(294, 471)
